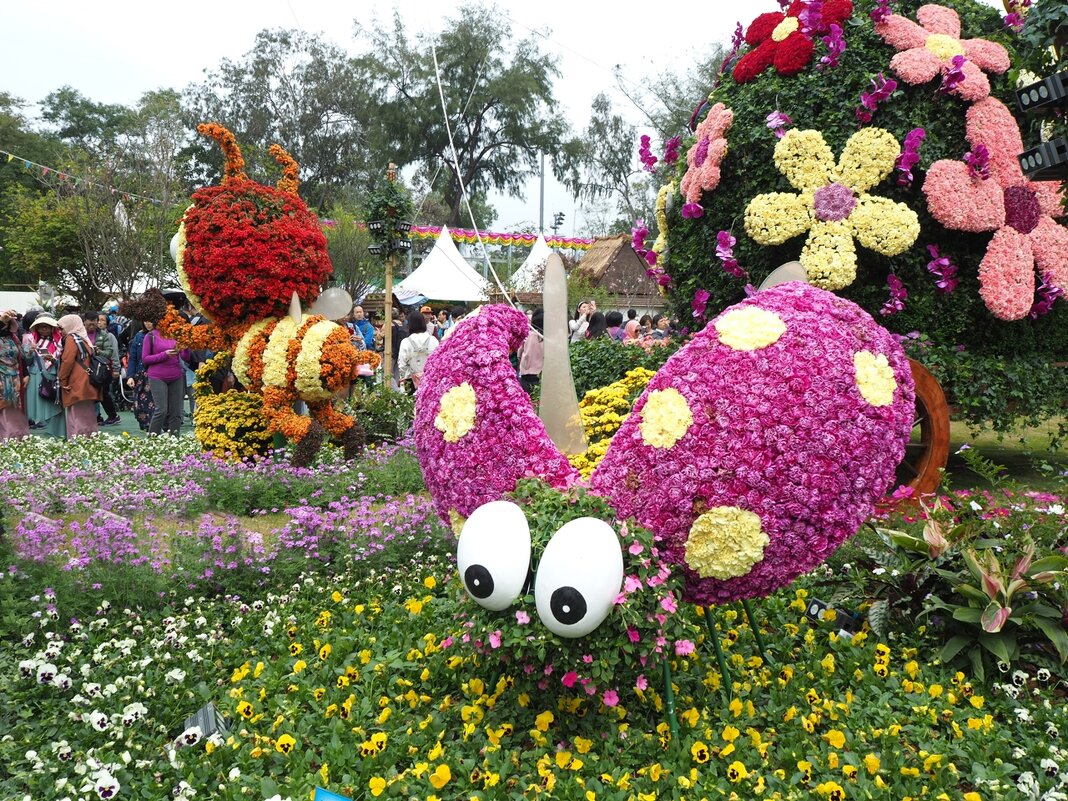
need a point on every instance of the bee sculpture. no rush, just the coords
(249, 256)
(758, 449)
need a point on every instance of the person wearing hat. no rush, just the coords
(431, 320)
(41, 350)
(13, 378)
(77, 393)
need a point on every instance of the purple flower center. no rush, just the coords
(1021, 208)
(834, 202)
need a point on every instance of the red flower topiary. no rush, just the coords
(274, 245)
(777, 39)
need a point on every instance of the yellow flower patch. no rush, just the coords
(725, 542)
(749, 328)
(875, 378)
(665, 418)
(456, 414)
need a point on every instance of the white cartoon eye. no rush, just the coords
(579, 577)
(493, 554)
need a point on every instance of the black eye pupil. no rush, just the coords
(479, 581)
(568, 605)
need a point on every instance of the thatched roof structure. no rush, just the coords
(612, 265)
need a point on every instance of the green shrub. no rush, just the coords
(603, 361)
(385, 414)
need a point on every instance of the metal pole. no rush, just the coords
(754, 624)
(725, 684)
(541, 202)
(669, 697)
(387, 324)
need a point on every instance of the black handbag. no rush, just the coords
(98, 368)
(49, 389)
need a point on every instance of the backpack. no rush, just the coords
(98, 368)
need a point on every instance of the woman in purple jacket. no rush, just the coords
(166, 379)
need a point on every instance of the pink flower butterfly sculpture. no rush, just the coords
(758, 448)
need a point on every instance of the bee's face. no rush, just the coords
(577, 578)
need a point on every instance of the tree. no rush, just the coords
(601, 164)
(355, 269)
(296, 90)
(81, 122)
(499, 102)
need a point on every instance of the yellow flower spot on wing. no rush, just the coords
(785, 28)
(875, 378)
(749, 328)
(944, 46)
(666, 417)
(456, 414)
(725, 542)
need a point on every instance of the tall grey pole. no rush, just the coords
(541, 202)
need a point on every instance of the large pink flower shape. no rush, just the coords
(1019, 211)
(929, 50)
(704, 157)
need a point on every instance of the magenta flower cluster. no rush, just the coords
(508, 441)
(811, 16)
(898, 295)
(882, 10)
(638, 234)
(781, 431)
(835, 43)
(645, 153)
(882, 88)
(725, 253)
(978, 161)
(953, 76)
(1045, 296)
(943, 269)
(671, 149)
(1015, 20)
(699, 304)
(910, 156)
(777, 122)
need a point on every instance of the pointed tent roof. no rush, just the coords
(531, 273)
(445, 274)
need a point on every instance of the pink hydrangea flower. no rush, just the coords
(1019, 212)
(704, 157)
(927, 50)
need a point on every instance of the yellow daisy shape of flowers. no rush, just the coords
(875, 378)
(833, 204)
(456, 415)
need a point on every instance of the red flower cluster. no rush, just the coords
(274, 247)
(778, 39)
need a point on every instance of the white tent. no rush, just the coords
(445, 274)
(531, 273)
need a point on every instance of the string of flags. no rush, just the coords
(75, 181)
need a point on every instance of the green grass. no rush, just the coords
(1025, 454)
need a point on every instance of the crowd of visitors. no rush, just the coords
(45, 381)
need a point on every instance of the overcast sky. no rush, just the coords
(113, 51)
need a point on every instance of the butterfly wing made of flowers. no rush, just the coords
(476, 431)
(763, 444)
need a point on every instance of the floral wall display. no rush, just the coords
(895, 136)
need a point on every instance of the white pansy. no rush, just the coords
(46, 672)
(191, 736)
(99, 721)
(176, 676)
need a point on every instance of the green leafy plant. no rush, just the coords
(599, 362)
(385, 414)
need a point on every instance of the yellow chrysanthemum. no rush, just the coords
(666, 417)
(725, 542)
(833, 204)
(456, 414)
(875, 378)
(749, 328)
